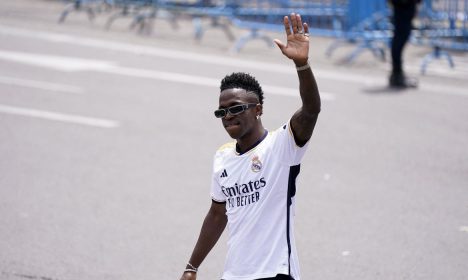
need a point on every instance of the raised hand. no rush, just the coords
(297, 46)
(188, 276)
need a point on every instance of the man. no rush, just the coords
(253, 184)
(403, 14)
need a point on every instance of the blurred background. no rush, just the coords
(107, 136)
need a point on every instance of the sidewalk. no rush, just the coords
(44, 14)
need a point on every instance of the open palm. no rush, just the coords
(297, 46)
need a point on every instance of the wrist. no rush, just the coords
(303, 67)
(302, 62)
(190, 268)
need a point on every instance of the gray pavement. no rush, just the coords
(107, 139)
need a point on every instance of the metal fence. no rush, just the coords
(441, 24)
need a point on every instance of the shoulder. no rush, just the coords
(284, 127)
(227, 146)
(226, 149)
(223, 154)
(284, 130)
(285, 135)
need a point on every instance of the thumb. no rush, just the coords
(279, 44)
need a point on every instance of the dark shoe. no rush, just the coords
(400, 81)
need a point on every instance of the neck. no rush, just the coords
(246, 143)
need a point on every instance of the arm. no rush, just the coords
(297, 49)
(212, 228)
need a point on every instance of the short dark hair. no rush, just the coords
(244, 81)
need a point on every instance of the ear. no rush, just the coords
(259, 109)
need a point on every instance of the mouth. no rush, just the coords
(229, 125)
(233, 128)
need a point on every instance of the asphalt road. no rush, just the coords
(107, 137)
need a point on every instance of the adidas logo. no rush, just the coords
(224, 174)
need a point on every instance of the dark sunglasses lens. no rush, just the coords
(234, 110)
(220, 113)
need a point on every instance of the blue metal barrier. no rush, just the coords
(363, 21)
(444, 27)
(214, 10)
(443, 24)
(91, 7)
(139, 10)
(324, 17)
(144, 13)
(367, 26)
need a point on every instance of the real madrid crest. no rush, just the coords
(256, 164)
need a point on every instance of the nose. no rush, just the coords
(228, 116)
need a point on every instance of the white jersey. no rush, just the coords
(258, 188)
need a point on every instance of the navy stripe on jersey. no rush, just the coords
(293, 172)
(253, 146)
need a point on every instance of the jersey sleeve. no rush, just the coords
(216, 193)
(286, 146)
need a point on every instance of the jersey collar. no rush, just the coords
(253, 146)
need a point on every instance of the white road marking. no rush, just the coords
(141, 50)
(345, 253)
(71, 64)
(188, 56)
(40, 85)
(464, 228)
(55, 116)
(173, 54)
(202, 81)
(182, 55)
(60, 63)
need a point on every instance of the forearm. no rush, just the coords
(308, 89)
(304, 120)
(212, 228)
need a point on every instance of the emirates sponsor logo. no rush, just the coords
(243, 194)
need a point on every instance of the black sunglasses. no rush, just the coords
(233, 110)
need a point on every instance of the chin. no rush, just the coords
(234, 133)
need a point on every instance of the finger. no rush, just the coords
(294, 23)
(306, 28)
(279, 44)
(287, 26)
(299, 23)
